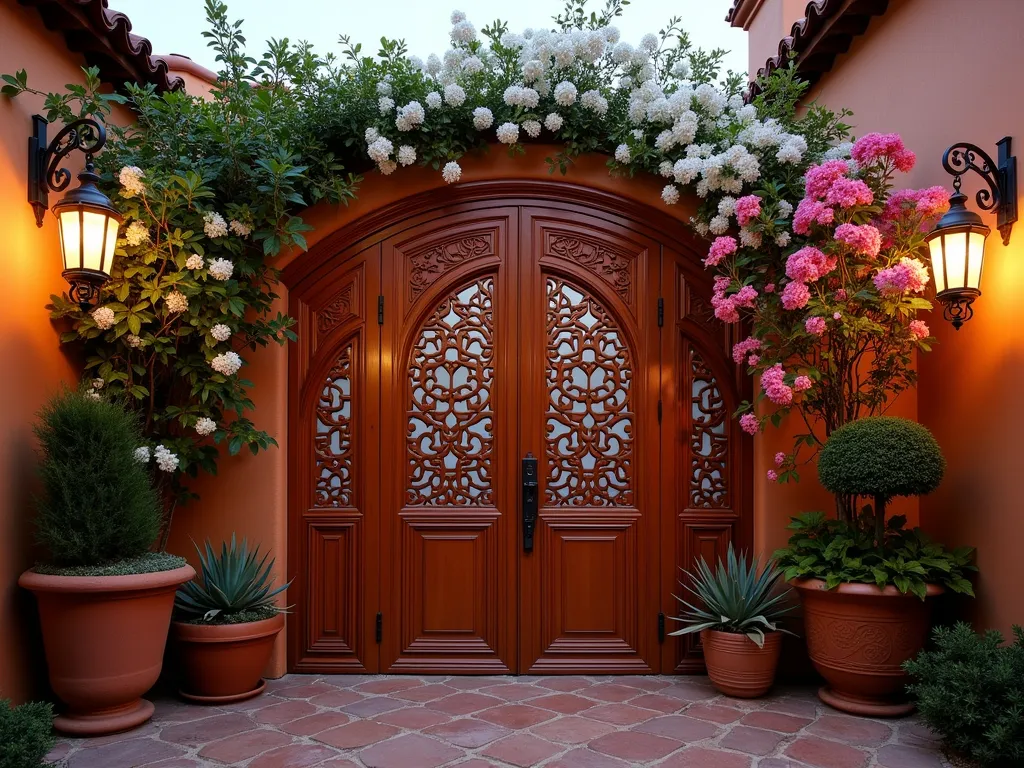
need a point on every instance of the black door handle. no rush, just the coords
(529, 500)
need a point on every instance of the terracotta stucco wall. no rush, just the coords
(938, 74)
(34, 365)
(768, 23)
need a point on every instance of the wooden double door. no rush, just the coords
(483, 480)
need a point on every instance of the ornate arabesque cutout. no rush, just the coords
(589, 442)
(337, 311)
(426, 267)
(450, 427)
(709, 438)
(614, 268)
(333, 439)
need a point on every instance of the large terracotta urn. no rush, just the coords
(858, 637)
(222, 663)
(104, 638)
(736, 666)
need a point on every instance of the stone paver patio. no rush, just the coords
(472, 722)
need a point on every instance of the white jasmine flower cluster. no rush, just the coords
(433, 100)
(226, 363)
(457, 16)
(454, 95)
(380, 149)
(385, 104)
(221, 269)
(387, 167)
(136, 233)
(513, 41)
(839, 151)
(508, 133)
(472, 65)
(792, 149)
(133, 341)
(533, 70)
(433, 65)
(206, 426)
(463, 32)
(719, 225)
(782, 239)
(594, 101)
(240, 228)
(131, 181)
(710, 98)
(749, 238)
(93, 395)
(622, 53)
(103, 317)
(483, 118)
(371, 135)
(176, 302)
(665, 169)
(195, 261)
(622, 153)
(167, 461)
(727, 206)
(785, 209)
(214, 225)
(141, 454)
(416, 62)
(383, 88)
(406, 155)
(565, 94)
(410, 116)
(532, 128)
(553, 121)
(221, 332)
(681, 69)
(451, 172)
(670, 194)
(519, 96)
(97, 383)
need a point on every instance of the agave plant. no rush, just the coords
(736, 597)
(232, 582)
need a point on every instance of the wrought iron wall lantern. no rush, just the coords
(957, 244)
(87, 219)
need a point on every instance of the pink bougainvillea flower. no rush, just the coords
(772, 475)
(811, 212)
(837, 315)
(744, 348)
(907, 275)
(720, 248)
(808, 264)
(883, 146)
(780, 459)
(749, 423)
(841, 294)
(774, 385)
(753, 360)
(929, 203)
(864, 239)
(820, 177)
(745, 296)
(815, 325)
(849, 192)
(795, 295)
(769, 288)
(919, 329)
(747, 209)
(801, 383)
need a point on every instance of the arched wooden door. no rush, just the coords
(515, 348)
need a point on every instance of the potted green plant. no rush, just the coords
(26, 735)
(866, 586)
(738, 622)
(226, 621)
(104, 598)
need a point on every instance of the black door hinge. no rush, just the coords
(380, 310)
(659, 411)
(661, 312)
(380, 627)
(661, 627)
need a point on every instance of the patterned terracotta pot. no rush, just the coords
(858, 637)
(736, 666)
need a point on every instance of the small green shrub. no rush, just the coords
(232, 586)
(970, 690)
(99, 505)
(736, 597)
(26, 734)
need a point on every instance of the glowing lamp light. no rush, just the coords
(957, 244)
(87, 220)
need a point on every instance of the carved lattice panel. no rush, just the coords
(709, 438)
(589, 442)
(450, 419)
(333, 439)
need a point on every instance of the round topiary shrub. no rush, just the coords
(99, 505)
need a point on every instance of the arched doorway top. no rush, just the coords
(492, 174)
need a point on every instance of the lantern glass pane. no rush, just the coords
(108, 258)
(955, 253)
(938, 263)
(70, 238)
(977, 256)
(94, 227)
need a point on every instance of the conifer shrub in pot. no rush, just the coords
(226, 621)
(867, 586)
(738, 621)
(104, 598)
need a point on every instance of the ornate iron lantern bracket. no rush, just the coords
(1000, 192)
(44, 160)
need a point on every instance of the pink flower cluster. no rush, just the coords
(907, 275)
(811, 212)
(750, 424)
(774, 385)
(928, 203)
(744, 348)
(772, 475)
(919, 329)
(747, 209)
(801, 383)
(720, 248)
(883, 146)
(726, 307)
(865, 239)
(815, 325)
(795, 295)
(820, 178)
(780, 459)
(849, 192)
(808, 264)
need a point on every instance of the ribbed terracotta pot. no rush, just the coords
(221, 663)
(104, 638)
(858, 637)
(736, 666)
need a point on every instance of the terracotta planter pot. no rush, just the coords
(858, 636)
(104, 638)
(224, 662)
(736, 666)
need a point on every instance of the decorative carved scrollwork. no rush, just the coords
(333, 440)
(709, 438)
(614, 268)
(589, 442)
(429, 265)
(336, 312)
(450, 433)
